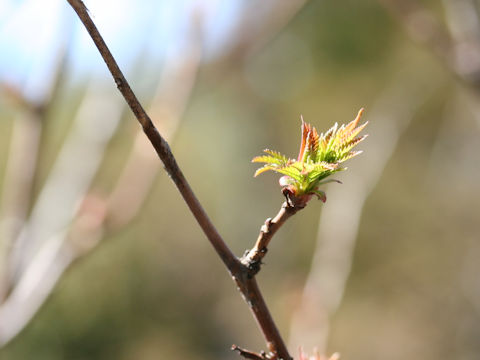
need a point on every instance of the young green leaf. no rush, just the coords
(319, 157)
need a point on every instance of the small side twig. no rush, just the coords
(249, 354)
(253, 258)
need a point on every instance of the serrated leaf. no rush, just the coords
(319, 157)
(349, 155)
(276, 155)
(305, 131)
(265, 159)
(290, 171)
(353, 124)
(262, 170)
(357, 131)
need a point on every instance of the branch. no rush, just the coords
(22, 163)
(249, 354)
(161, 146)
(246, 284)
(33, 287)
(77, 163)
(93, 220)
(253, 258)
(258, 24)
(424, 28)
(171, 97)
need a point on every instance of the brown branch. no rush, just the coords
(93, 221)
(247, 285)
(161, 146)
(169, 103)
(253, 258)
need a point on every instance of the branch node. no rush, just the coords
(119, 82)
(252, 260)
(266, 227)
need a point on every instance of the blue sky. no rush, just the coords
(32, 32)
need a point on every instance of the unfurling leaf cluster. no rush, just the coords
(319, 157)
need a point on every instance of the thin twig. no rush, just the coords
(253, 258)
(168, 105)
(93, 220)
(249, 354)
(161, 146)
(246, 284)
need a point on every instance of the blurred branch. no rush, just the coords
(461, 59)
(97, 215)
(169, 103)
(39, 257)
(246, 284)
(332, 260)
(160, 145)
(259, 23)
(22, 163)
(458, 47)
(422, 25)
(16, 192)
(71, 176)
(33, 287)
(59, 251)
(47, 266)
(463, 20)
(464, 26)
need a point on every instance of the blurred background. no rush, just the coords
(101, 259)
